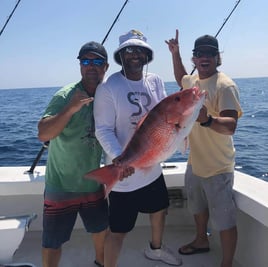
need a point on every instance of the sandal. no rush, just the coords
(98, 264)
(190, 250)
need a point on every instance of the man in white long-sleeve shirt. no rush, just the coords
(119, 104)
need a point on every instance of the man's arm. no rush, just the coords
(178, 67)
(52, 126)
(224, 124)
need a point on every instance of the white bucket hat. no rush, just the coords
(133, 38)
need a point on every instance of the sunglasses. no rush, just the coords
(98, 62)
(131, 50)
(208, 54)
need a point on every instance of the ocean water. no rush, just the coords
(20, 110)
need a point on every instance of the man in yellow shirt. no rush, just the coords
(210, 170)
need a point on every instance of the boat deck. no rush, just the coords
(21, 194)
(78, 251)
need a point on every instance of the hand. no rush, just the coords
(125, 170)
(202, 117)
(173, 44)
(78, 100)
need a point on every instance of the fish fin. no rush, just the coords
(172, 118)
(107, 175)
(140, 122)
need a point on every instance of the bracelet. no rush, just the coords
(208, 122)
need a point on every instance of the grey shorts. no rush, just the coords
(214, 193)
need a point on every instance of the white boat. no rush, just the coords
(21, 193)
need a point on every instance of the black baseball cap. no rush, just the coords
(206, 41)
(94, 48)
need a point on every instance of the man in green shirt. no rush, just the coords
(68, 124)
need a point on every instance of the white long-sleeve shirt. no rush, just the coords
(118, 106)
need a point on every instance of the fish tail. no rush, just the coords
(107, 175)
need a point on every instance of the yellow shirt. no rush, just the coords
(212, 153)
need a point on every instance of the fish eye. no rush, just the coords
(177, 98)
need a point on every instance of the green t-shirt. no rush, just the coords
(76, 150)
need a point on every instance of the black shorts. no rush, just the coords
(125, 206)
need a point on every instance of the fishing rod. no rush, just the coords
(230, 14)
(114, 22)
(46, 144)
(43, 148)
(9, 17)
(237, 3)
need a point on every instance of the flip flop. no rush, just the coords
(193, 250)
(98, 264)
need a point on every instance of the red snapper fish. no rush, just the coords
(158, 135)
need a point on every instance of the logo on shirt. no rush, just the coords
(141, 101)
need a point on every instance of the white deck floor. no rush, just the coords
(78, 251)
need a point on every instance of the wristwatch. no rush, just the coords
(208, 122)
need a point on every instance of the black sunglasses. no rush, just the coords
(131, 50)
(208, 54)
(95, 62)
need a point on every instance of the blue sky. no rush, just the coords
(39, 46)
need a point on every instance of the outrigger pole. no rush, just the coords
(9, 17)
(230, 14)
(114, 22)
(46, 144)
(237, 3)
